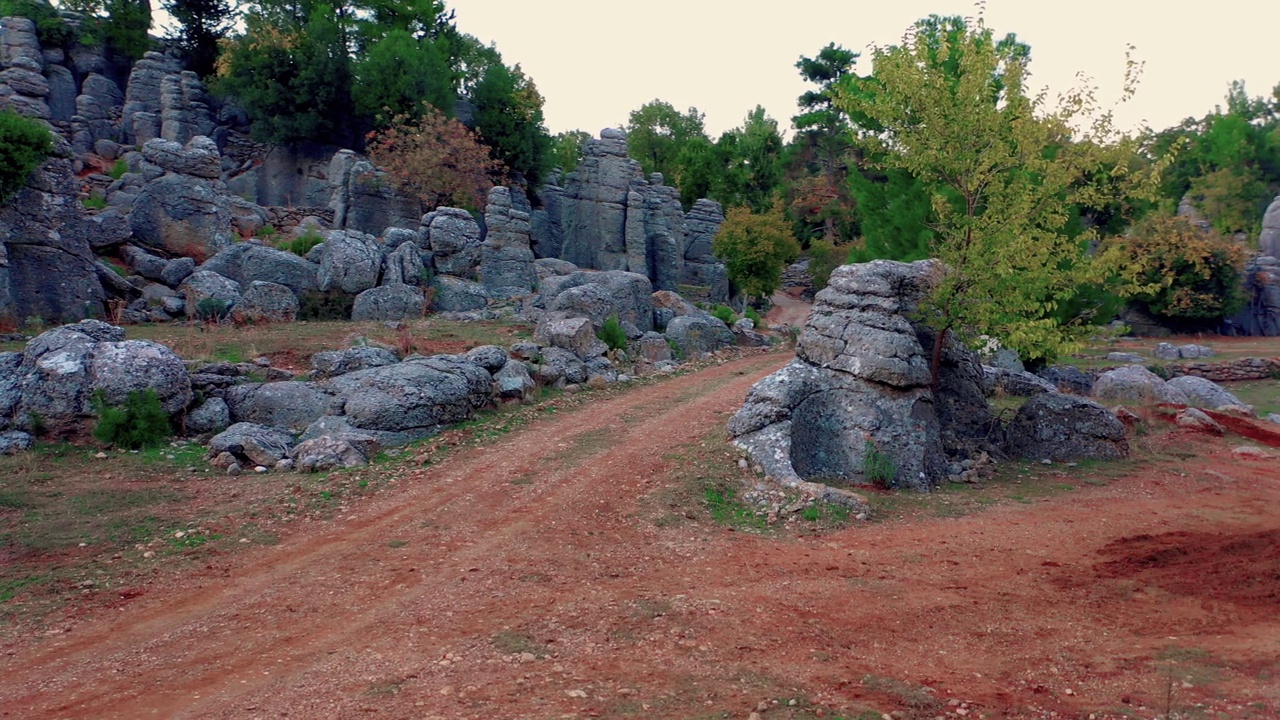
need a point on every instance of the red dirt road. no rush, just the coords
(1156, 591)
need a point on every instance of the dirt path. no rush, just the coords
(421, 602)
(787, 310)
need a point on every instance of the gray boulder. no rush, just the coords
(143, 263)
(177, 270)
(489, 357)
(745, 335)
(1015, 383)
(266, 302)
(453, 294)
(1125, 357)
(513, 382)
(249, 262)
(182, 215)
(332, 363)
(1135, 384)
(404, 265)
(388, 302)
(560, 365)
(1067, 378)
(455, 242)
(1195, 420)
(10, 386)
(367, 441)
(1062, 428)
(625, 294)
(574, 334)
(119, 368)
(211, 416)
(418, 395)
(327, 452)
(253, 443)
(199, 158)
(1269, 239)
(1204, 393)
(351, 262)
(695, 335)
(653, 347)
(13, 442)
(204, 285)
(292, 404)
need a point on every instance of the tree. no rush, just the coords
(819, 156)
(399, 72)
(508, 113)
(24, 144)
(657, 135)
(1004, 172)
(202, 24)
(1177, 272)
(755, 248)
(750, 162)
(437, 158)
(292, 73)
(566, 149)
(126, 26)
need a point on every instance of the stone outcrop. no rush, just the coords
(1269, 239)
(607, 216)
(249, 262)
(396, 301)
(506, 259)
(1059, 427)
(454, 238)
(598, 295)
(352, 262)
(161, 100)
(365, 199)
(1135, 384)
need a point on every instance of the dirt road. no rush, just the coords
(522, 579)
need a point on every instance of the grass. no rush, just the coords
(510, 642)
(1263, 395)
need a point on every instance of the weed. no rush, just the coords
(512, 643)
(754, 316)
(878, 468)
(118, 170)
(727, 509)
(36, 424)
(94, 202)
(266, 232)
(677, 352)
(303, 244)
(142, 422)
(212, 310)
(612, 334)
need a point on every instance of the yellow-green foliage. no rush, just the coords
(1178, 271)
(755, 248)
(1005, 169)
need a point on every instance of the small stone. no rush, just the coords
(233, 469)
(527, 657)
(1250, 452)
(149, 554)
(742, 463)
(100, 455)
(284, 465)
(259, 469)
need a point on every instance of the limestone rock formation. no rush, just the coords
(1059, 427)
(454, 238)
(396, 301)
(506, 259)
(249, 262)
(1135, 384)
(856, 402)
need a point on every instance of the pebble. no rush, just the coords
(527, 657)
(100, 455)
(260, 469)
(233, 469)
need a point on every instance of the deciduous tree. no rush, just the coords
(437, 158)
(755, 248)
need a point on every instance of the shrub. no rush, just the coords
(212, 309)
(51, 29)
(141, 423)
(118, 170)
(24, 144)
(94, 202)
(303, 244)
(612, 334)
(331, 305)
(724, 314)
(755, 248)
(751, 314)
(266, 232)
(878, 468)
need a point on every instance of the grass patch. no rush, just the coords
(510, 642)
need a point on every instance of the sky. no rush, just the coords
(594, 62)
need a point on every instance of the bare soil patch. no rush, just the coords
(578, 567)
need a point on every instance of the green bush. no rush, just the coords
(302, 244)
(94, 202)
(266, 232)
(612, 334)
(877, 467)
(724, 314)
(24, 144)
(212, 309)
(751, 314)
(331, 305)
(141, 423)
(118, 170)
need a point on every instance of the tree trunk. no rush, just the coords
(935, 362)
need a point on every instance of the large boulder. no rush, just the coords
(513, 381)
(199, 158)
(418, 395)
(696, 334)
(1204, 393)
(388, 302)
(1058, 427)
(327, 452)
(182, 215)
(13, 442)
(266, 302)
(202, 286)
(211, 416)
(1135, 384)
(627, 295)
(453, 294)
(573, 334)
(291, 404)
(404, 265)
(455, 239)
(489, 357)
(332, 363)
(253, 443)
(561, 366)
(10, 386)
(119, 368)
(249, 262)
(352, 262)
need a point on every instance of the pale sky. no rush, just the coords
(594, 62)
